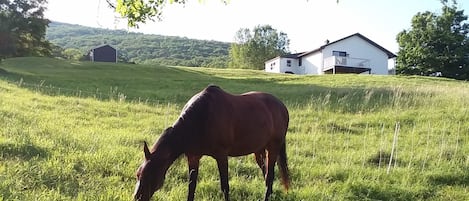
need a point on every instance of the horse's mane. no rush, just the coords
(165, 136)
(198, 105)
(196, 112)
(193, 118)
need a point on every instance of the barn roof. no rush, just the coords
(103, 45)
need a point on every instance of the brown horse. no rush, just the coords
(219, 124)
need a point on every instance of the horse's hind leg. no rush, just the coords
(271, 158)
(260, 159)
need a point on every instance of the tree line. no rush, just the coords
(250, 50)
(435, 44)
(76, 41)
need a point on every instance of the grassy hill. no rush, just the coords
(141, 48)
(73, 131)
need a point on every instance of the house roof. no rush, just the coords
(298, 55)
(293, 56)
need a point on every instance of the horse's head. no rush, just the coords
(150, 175)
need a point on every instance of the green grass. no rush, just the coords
(73, 131)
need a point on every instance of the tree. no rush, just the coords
(252, 49)
(72, 54)
(436, 43)
(139, 11)
(23, 28)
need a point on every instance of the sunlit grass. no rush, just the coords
(73, 131)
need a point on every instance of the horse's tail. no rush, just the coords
(283, 167)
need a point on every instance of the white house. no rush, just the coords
(352, 54)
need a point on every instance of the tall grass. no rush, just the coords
(73, 131)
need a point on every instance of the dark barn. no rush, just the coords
(103, 53)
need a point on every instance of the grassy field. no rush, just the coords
(74, 131)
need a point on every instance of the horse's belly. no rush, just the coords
(248, 147)
(236, 154)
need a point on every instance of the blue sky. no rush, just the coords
(308, 23)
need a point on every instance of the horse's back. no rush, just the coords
(258, 120)
(274, 109)
(258, 109)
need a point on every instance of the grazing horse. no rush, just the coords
(219, 124)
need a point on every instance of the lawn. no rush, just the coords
(74, 131)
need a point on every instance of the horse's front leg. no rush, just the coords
(193, 162)
(222, 163)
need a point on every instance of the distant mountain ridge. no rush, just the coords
(141, 48)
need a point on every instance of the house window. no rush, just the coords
(339, 53)
(289, 63)
(299, 62)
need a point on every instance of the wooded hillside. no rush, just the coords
(141, 48)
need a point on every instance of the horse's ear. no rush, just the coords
(146, 151)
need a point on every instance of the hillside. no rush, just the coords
(74, 131)
(141, 48)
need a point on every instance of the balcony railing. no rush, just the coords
(338, 61)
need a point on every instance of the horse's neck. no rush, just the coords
(171, 144)
(186, 128)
